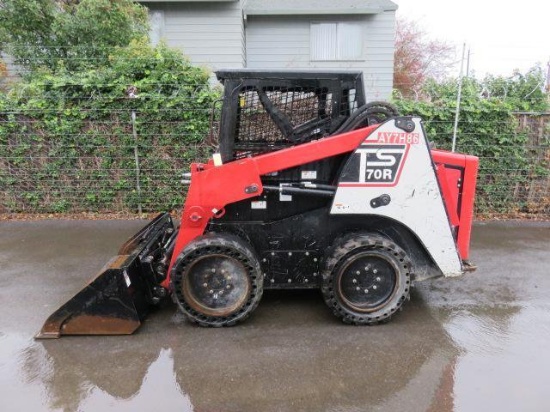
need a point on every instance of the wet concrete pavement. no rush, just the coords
(479, 342)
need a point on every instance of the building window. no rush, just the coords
(336, 41)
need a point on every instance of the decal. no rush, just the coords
(284, 198)
(379, 160)
(341, 207)
(309, 174)
(397, 138)
(258, 204)
(380, 163)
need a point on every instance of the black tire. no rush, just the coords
(366, 279)
(217, 280)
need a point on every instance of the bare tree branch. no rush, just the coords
(418, 58)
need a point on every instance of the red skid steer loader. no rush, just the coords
(311, 187)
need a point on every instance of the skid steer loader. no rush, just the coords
(310, 187)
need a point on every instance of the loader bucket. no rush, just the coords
(119, 297)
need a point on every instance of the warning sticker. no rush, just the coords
(258, 204)
(309, 174)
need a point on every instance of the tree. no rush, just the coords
(418, 58)
(525, 92)
(68, 34)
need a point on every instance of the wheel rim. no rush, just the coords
(216, 285)
(366, 281)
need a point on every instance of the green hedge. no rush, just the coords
(487, 129)
(67, 144)
(66, 139)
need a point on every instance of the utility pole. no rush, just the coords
(459, 96)
(548, 76)
(468, 63)
(132, 94)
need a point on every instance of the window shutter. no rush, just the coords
(350, 41)
(324, 41)
(336, 41)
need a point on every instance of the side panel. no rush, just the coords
(391, 174)
(457, 175)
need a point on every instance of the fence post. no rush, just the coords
(459, 96)
(136, 158)
(132, 94)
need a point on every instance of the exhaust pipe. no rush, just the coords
(119, 298)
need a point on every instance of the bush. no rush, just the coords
(487, 129)
(67, 143)
(68, 35)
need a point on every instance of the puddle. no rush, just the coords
(504, 365)
(159, 389)
(271, 363)
(32, 378)
(22, 389)
(475, 343)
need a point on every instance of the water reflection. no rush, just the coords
(20, 389)
(159, 388)
(504, 361)
(499, 318)
(291, 356)
(485, 331)
(87, 375)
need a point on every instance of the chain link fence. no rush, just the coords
(514, 169)
(77, 159)
(535, 193)
(114, 165)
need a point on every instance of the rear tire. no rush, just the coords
(217, 280)
(367, 278)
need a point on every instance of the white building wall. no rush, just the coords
(211, 34)
(274, 42)
(215, 35)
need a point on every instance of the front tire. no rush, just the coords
(217, 280)
(367, 278)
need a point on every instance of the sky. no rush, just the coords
(501, 35)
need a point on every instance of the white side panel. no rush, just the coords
(398, 164)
